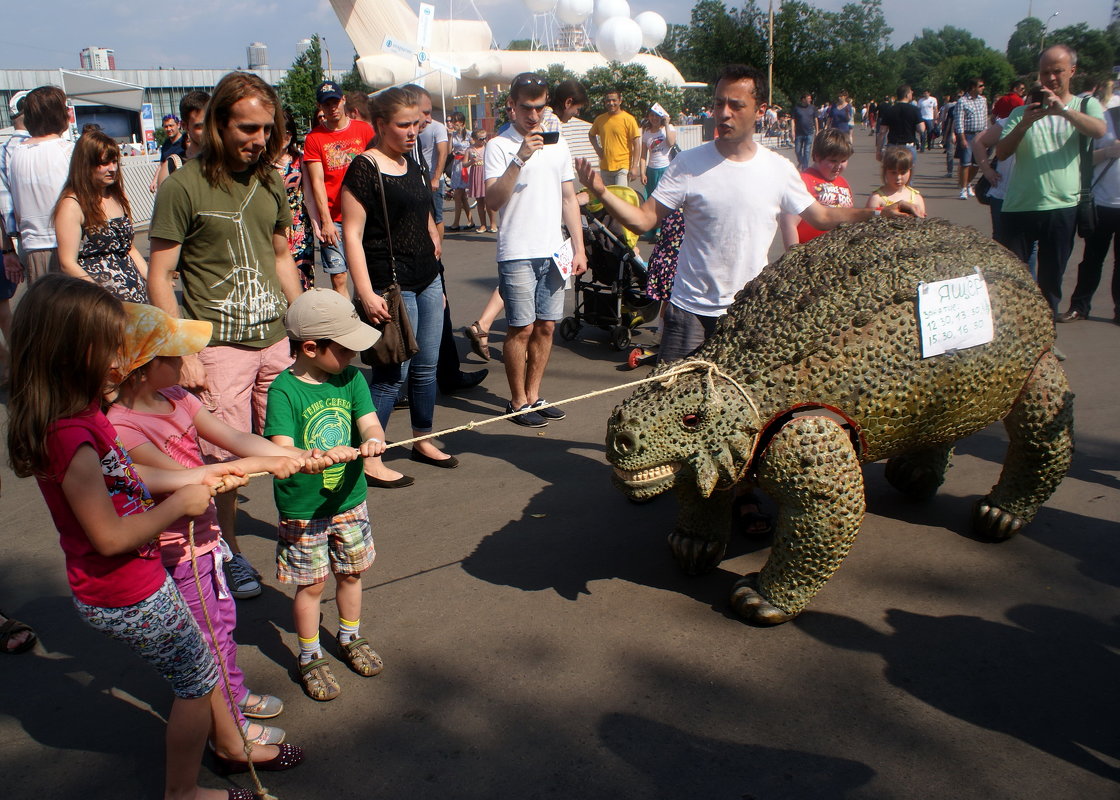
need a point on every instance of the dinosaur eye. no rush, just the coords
(691, 421)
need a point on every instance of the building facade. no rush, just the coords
(98, 58)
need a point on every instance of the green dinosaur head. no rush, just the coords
(693, 427)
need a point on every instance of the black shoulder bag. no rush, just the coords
(1086, 206)
(397, 343)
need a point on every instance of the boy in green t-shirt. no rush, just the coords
(322, 403)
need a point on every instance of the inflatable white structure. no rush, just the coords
(456, 56)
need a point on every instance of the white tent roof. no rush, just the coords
(85, 89)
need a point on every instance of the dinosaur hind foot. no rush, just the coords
(749, 603)
(992, 522)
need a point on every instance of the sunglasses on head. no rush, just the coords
(530, 80)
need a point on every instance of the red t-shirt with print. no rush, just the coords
(827, 193)
(335, 150)
(97, 580)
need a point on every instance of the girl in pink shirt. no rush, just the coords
(159, 424)
(65, 336)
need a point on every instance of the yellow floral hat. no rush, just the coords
(151, 332)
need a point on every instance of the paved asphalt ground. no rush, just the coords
(539, 641)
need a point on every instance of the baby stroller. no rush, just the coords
(611, 294)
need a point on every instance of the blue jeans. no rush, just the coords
(803, 146)
(425, 312)
(333, 256)
(683, 333)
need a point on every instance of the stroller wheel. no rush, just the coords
(635, 358)
(569, 329)
(620, 337)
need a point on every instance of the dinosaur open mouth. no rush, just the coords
(647, 475)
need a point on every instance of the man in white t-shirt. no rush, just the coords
(927, 107)
(529, 183)
(38, 170)
(731, 191)
(432, 146)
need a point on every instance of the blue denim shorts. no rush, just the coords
(333, 256)
(437, 204)
(532, 290)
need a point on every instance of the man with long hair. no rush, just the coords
(221, 221)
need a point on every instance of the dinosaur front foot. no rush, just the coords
(749, 603)
(696, 556)
(992, 522)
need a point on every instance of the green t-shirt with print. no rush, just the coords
(322, 415)
(1047, 172)
(227, 261)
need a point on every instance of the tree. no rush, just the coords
(1095, 53)
(923, 54)
(1023, 46)
(520, 44)
(297, 89)
(956, 72)
(639, 91)
(352, 81)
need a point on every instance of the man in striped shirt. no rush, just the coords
(972, 119)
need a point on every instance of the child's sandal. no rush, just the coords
(318, 682)
(362, 658)
(479, 339)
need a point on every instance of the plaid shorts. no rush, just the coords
(310, 549)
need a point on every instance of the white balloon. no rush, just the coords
(608, 9)
(653, 27)
(540, 6)
(573, 12)
(619, 39)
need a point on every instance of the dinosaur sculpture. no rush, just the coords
(817, 369)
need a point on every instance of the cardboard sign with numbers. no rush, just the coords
(954, 314)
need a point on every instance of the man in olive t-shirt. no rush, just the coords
(221, 221)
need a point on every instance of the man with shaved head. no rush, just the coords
(1046, 137)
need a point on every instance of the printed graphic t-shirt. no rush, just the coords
(106, 581)
(322, 415)
(227, 260)
(827, 193)
(335, 150)
(174, 434)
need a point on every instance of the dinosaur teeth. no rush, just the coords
(647, 474)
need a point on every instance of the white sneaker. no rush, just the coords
(971, 191)
(964, 194)
(243, 582)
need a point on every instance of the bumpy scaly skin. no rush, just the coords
(1040, 433)
(833, 325)
(812, 472)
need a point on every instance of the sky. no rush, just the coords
(215, 33)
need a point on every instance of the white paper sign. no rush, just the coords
(563, 259)
(954, 314)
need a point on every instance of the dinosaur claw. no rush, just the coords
(749, 603)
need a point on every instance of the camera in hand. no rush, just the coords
(550, 137)
(1038, 95)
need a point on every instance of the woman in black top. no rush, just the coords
(416, 251)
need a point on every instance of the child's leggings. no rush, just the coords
(223, 615)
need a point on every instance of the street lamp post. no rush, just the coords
(1042, 39)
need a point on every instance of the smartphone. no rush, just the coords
(550, 137)
(1038, 96)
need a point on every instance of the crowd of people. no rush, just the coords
(145, 391)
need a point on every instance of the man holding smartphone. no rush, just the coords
(530, 184)
(1046, 136)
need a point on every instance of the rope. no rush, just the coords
(667, 379)
(259, 790)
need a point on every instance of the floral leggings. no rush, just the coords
(161, 630)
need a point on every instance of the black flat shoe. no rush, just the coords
(467, 380)
(399, 483)
(289, 756)
(443, 463)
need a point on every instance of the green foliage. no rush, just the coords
(520, 44)
(352, 81)
(955, 73)
(639, 91)
(923, 56)
(1023, 46)
(1095, 53)
(297, 89)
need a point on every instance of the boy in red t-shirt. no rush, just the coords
(831, 151)
(327, 152)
